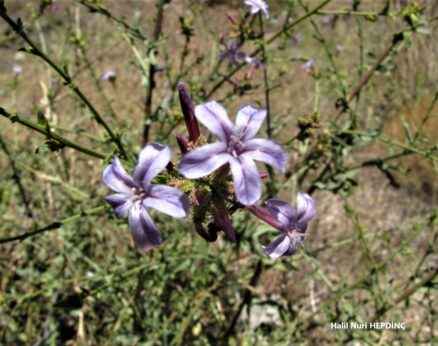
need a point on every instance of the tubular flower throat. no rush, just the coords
(237, 147)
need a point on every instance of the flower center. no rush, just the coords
(139, 194)
(235, 145)
(295, 235)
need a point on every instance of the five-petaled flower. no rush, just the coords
(292, 223)
(232, 52)
(136, 194)
(258, 5)
(235, 147)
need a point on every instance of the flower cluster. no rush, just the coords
(229, 176)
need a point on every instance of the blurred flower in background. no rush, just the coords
(17, 70)
(309, 66)
(297, 37)
(258, 5)
(330, 19)
(109, 75)
(231, 52)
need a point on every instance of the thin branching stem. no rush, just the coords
(17, 26)
(17, 177)
(50, 134)
(148, 114)
(54, 225)
(274, 37)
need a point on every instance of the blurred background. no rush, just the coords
(369, 161)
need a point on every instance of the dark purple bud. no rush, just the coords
(231, 18)
(209, 234)
(188, 112)
(265, 215)
(200, 197)
(182, 143)
(222, 219)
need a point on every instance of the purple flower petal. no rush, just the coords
(282, 211)
(143, 230)
(301, 227)
(247, 182)
(292, 249)
(214, 117)
(116, 178)
(153, 158)
(120, 202)
(306, 208)
(267, 151)
(279, 247)
(202, 161)
(249, 120)
(168, 200)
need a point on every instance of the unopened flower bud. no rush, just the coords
(209, 234)
(182, 143)
(188, 112)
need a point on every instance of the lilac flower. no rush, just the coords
(291, 223)
(254, 64)
(109, 76)
(17, 70)
(308, 66)
(330, 19)
(297, 37)
(235, 147)
(232, 52)
(258, 5)
(136, 194)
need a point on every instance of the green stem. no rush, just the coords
(53, 225)
(270, 40)
(18, 28)
(135, 32)
(329, 54)
(304, 323)
(369, 14)
(149, 116)
(390, 141)
(17, 177)
(43, 130)
(271, 183)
